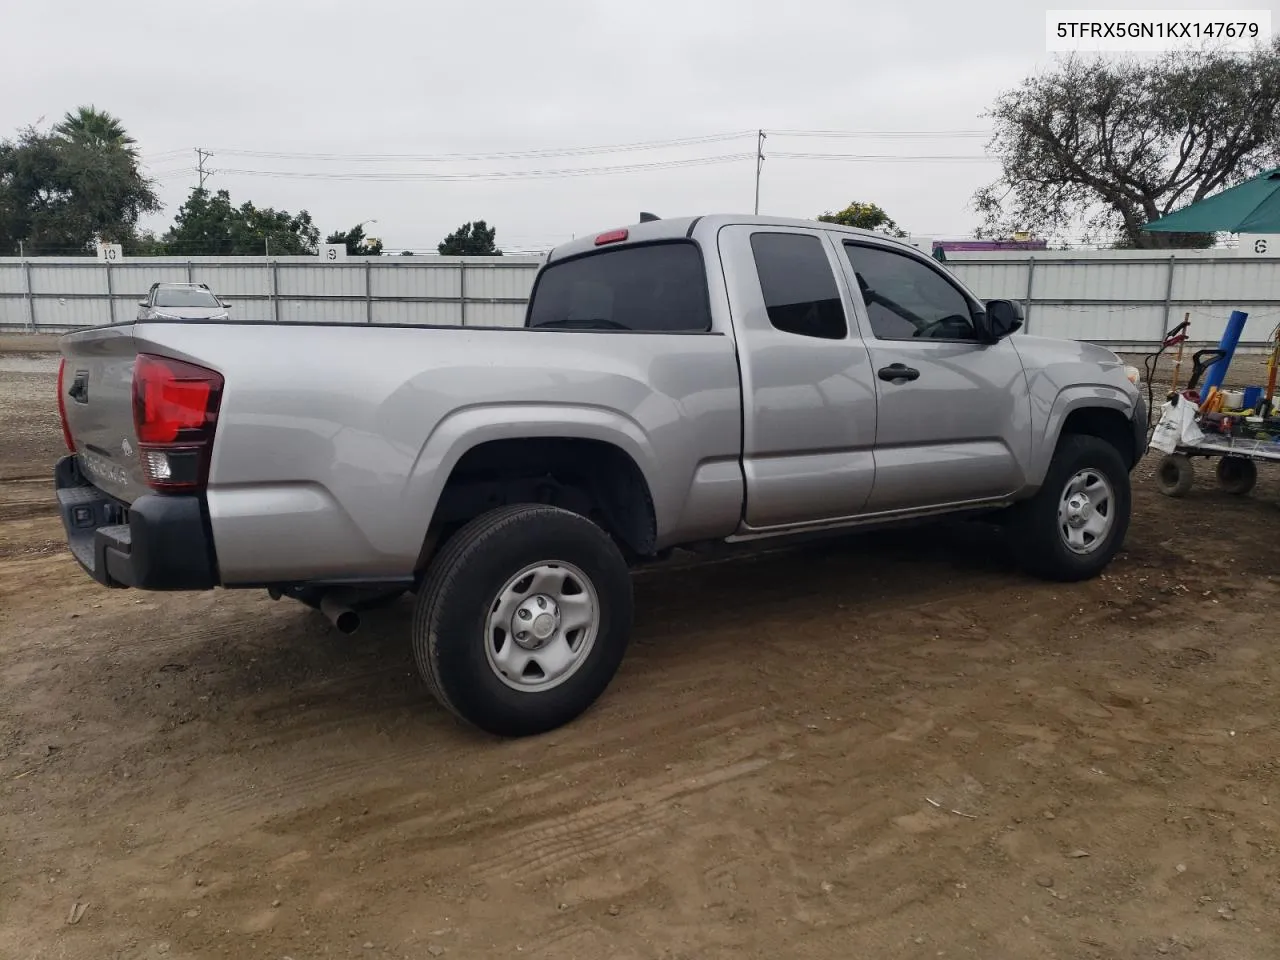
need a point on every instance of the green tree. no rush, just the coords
(145, 244)
(357, 243)
(208, 224)
(95, 128)
(864, 216)
(1112, 144)
(61, 195)
(470, 240)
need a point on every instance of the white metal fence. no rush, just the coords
(1124, 299)
(60, 294)
(1129, 298)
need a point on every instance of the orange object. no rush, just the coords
(1212, 402)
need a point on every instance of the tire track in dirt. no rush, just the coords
(319, 709)
(564, 840)
(702, 713)
(23, 499)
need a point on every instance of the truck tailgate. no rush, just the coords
(97, 394)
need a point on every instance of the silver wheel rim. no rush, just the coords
(542, 626)
(1086, 511)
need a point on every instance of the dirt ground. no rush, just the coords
(894, 747)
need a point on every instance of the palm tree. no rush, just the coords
(96, 128)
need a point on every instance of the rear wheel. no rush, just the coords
(523, 619)
(1175, 475)
(1236, 475)
(1072, 528)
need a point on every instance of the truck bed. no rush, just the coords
(334, 440)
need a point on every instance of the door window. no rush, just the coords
(798, 285)
(908, 299)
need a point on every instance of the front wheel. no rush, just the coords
(1072, 528)
(524, 619)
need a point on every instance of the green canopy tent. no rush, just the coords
(1250, 207)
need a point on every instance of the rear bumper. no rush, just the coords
(159, 542)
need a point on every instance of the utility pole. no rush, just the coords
(759, 164)
(201, 157)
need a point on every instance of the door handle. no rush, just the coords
(898, 371)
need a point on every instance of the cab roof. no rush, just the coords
(705, 226)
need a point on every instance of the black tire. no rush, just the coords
(461, 588)
(1035, 531)
(1236, 475)
(1175, 475)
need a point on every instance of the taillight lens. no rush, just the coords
(175, 411)
(62, 406)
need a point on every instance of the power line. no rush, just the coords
(548, 152)
(564, 172)
(872, 157)
(491, 174)
(499, 155)
(165, 154)
(886, 134)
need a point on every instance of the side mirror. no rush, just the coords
(143, 303)
(1003, 317)
(223, 303)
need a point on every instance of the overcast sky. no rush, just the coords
(429, 78)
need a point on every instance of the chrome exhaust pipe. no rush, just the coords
(339, 614)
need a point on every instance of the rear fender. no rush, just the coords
(469, 427)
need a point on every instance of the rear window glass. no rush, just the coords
(657, 288)
(184, 297)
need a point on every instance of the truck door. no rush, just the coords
(954, 413)
(809, 403)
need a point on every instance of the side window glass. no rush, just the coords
(798, 286)
(907, 299)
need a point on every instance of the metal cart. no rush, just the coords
(1238, 459)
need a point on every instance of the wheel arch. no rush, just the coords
(589, 460)
(1095, 411)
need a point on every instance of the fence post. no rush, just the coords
(26, 293)
(1026, 302)
(275, 290)
(462, 292)
(368, 292)
(191, 275)
(111, 294)
(1168, 299)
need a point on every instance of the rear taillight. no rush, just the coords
(62, 406)
(175, 411)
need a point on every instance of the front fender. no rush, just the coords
(1067, 401)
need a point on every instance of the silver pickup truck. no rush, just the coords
(677, 383)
